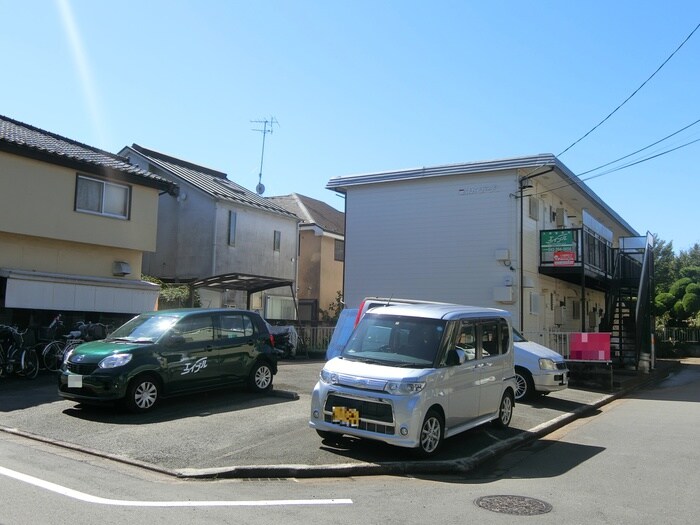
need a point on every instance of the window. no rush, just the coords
(277, 240)
(104, 198)
(196, 329)
(466, 340)
(232, 228)
(235, 325)
(339, 253)
(535, 303)
(534, 208)
(575, 309)
(490, 344)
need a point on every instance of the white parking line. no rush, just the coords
(81, 496)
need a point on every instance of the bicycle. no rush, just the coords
(55, 351)
(52, 351)
(14, 356)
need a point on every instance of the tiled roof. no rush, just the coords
(313, 211)
(32, 141)
(211, 181)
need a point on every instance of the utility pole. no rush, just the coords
(267, 127)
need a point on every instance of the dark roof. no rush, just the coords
(208, 180)
(241, 281)
(28, 141)
(313, 212)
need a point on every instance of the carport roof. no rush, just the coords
(241, 281)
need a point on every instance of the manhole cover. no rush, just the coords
(517, 505)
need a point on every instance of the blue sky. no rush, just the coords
(367, 86)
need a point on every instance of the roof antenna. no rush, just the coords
(267, 128)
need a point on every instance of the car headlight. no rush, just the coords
(547, 364)
(404, 387)
(330, 378)
(115, 360)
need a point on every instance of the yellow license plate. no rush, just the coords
(346, 416)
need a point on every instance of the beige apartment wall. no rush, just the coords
(37, 199)
(331, 279)
(309, 269)
(22, 252)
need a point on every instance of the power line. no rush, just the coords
(633, 93)
(639, 150)
(619, 168)
(642, 160)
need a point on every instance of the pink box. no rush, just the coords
(590, 355)
(594, 346)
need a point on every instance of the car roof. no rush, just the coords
(439, 311)
(181, 312)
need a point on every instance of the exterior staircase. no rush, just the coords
(628, 316)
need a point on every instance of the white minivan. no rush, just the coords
(412, 375)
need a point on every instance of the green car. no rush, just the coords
(171, 352)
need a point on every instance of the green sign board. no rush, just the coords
(557, 240)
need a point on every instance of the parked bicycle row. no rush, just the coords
(25, 352)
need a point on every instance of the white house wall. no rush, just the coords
(432, 239)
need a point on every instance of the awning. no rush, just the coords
(244, 282)
(63, 292)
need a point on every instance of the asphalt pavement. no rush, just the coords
(234, 433)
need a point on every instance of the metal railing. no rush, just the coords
(678, 335)
(557, 341)
(316, 338)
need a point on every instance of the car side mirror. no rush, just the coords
(455, 357)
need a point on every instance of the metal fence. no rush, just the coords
(316, 338)
(678, 335)
(557, 341)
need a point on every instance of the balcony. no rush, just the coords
(577, 255)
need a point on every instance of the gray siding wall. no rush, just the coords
(253, 251)
(431, 239)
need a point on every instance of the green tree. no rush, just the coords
(172, 295)
(665, 264)
(677, 278)
(332, 314)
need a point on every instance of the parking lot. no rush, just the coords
(232, 432)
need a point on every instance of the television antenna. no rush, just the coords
(267, 127)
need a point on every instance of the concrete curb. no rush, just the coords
(458, 466)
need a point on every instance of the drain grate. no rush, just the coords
(516, 505)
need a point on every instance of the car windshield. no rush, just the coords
(393, 340)
(144, 328)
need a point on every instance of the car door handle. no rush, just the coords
(209, 348)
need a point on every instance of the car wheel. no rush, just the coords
(505, 410)
(142, 394)
(260, 377)
(524, 386)
(432, 433)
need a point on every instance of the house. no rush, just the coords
(74, 224)
(234, 246)
(321, 253)
(523, 234)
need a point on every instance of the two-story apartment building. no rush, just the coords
(524, 234)
(237, 247)
(74, 224)
(321, 253)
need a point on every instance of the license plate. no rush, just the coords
(346, 416)
(75, 381)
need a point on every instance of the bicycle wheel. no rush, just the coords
(29, 363)
(52, 355)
